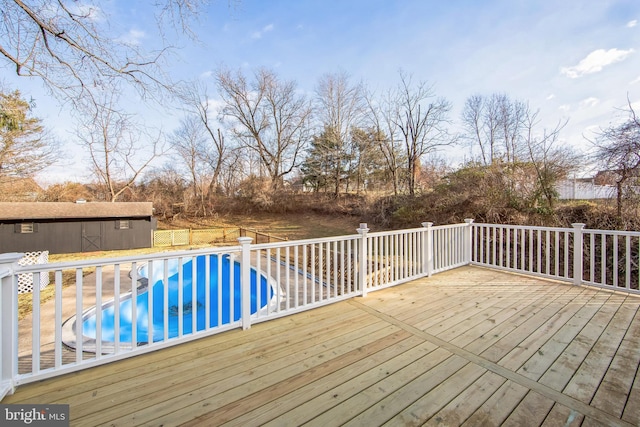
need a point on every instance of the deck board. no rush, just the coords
(469, 347)
(561, 415)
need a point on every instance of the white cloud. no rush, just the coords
(215, 104)
(550, 96)
(589, 102)
(133, 37)
(259, 34)
(564, 107)
(634, 81)
(595, 62)
(632, 24)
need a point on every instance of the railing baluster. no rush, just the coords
(194, 298)
(351, 266)
(220, 284)
(165, 294)
(336, 266)
(627, 276)
(278, 278)
(134, 305)
(547, 254)
(150, 274)
(35, 325)
(98, 299)
(538, 243)
(259, 269)
(603, 257)
(313, 275)
(207, 291)
(116, 308)
(515, 248)
(304, 274)
(79, 331)
(592, 256)
(180, 298)
(58, 319)
(614, 267)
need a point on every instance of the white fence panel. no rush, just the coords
(611, 259)
(539, 251)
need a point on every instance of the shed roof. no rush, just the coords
(70, 210)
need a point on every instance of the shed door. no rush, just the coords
(91, 236)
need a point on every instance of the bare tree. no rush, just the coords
(495, 125)
(70, 46)
(341, 108)
(188, 142)
(514, 117)
(618, 152)
(269, 117)
(233, 171)
(422, 124)
(215, 148)
(117, 152)
(383, 114)
(166, 188)
(550, 161)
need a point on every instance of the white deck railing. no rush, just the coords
(297, 276)
(607, 259)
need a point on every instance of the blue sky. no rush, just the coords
(571, 59)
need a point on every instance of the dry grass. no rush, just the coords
(291, 226)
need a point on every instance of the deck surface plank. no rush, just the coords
(469, 347)
(461, 407)
(593, 369)
(561, 415)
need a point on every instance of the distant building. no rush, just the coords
(64, 227)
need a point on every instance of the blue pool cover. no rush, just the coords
(188, 308)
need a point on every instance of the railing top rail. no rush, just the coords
(290, 243)
(522, 227)
(395, 232)
(612, 232)
(446, 226)
(96, 262)
(585, 230)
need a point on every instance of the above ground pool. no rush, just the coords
(228, 296)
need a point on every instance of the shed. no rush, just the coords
(66, 227)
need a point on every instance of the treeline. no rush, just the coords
(487, 193)
(259, 143)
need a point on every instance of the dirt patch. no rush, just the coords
(291, 226)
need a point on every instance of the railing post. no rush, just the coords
(245, 281)
(577, 253)
(362, 258)
(427, 250)
(468, 240)
(8, 322)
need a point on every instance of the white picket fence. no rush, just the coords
(301, 275)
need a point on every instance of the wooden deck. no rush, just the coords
(466, 347)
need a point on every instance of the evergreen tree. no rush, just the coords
(25, 147)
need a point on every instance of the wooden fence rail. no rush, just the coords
(185, 237)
